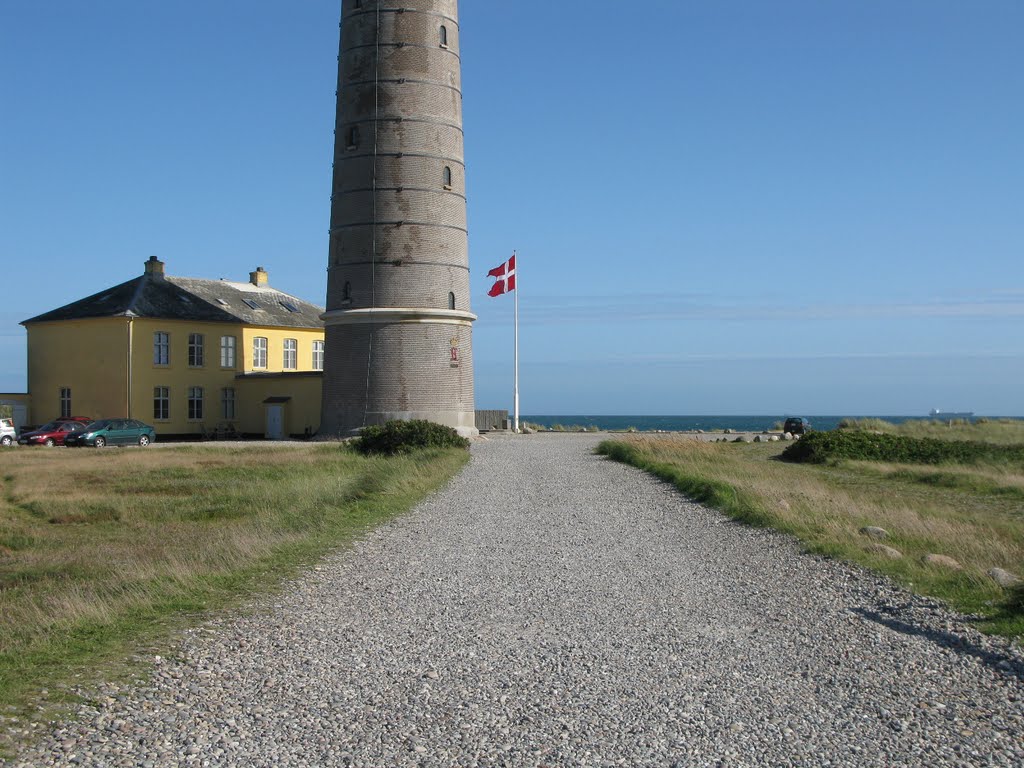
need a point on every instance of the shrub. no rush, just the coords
(823, 447)
(405, 436)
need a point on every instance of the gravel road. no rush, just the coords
(553, 608)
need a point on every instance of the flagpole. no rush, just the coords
(515, 394)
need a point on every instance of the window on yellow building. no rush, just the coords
(259, 352)
(227, 351)
(291, 354)
(195, 403)
(161, 348)
(195, 350)
(227, 403)
(318, 355)
(65, 401)
(161, 403)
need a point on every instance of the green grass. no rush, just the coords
(826, 447)
(972, 513)
(983, 430)
(104, 552)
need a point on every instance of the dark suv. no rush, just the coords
(796, 426)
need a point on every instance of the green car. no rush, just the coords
(112, 432)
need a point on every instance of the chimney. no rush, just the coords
(155, 268)
(259, 278)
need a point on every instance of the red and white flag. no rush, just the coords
(505, 278)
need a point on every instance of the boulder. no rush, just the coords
(773, 439)
(1003, 578)
(942, 561)
(787, 436)
(884, 551)
(757, 438)
(874, 532)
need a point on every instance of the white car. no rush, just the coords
(8, 435)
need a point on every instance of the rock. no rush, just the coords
(1003, 578)
(741, 439)
(773, 439)
(757, 438)
(874, 532)
(884, 551)
(942, 561)
(787, 436)
(783, 504)
(727, 431)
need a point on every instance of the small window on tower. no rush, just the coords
(353, 137)
(357, 4)
(451, 301)
(444, 36)
(346, 292)
(447, 175)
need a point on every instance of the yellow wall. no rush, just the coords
(275, 346)
(91, 358)
(87, 356)
(301, 413)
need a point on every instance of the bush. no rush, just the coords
(823, 447)
(405, 436)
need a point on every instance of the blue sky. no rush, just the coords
(804, 206)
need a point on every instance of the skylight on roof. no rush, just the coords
(289, 306)
(222, 302)
(251, 304)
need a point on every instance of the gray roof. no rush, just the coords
(186, 298)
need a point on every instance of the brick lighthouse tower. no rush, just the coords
(398, 322)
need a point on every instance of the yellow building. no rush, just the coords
(189, 356)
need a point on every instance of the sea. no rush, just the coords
(692, 423)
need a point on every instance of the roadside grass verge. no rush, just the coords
(104, 552)
(971, 513)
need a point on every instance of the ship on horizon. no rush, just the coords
(938, 413)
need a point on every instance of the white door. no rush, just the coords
(275, 422)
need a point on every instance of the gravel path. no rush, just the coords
(553, 608)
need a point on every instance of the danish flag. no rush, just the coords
(505, 278)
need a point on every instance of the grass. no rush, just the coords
(971, 513)
(102, 552)
(997, 431)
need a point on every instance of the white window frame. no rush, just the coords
(161, 348)
(290, 356)
(318, 355)
(161, 399)
(227, 351)
(196, 406)
(259, 352)
(196, 350)
(227, 403)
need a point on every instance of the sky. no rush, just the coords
(802, 206)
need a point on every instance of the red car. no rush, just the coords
(53, 433)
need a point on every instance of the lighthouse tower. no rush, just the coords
(398, 321)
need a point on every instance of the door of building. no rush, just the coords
(275, 422)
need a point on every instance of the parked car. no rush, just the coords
(796, 426)
(8, 435)
(113, 432)
(54, 433)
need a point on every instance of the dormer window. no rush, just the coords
(443, 35)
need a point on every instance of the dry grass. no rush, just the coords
(973, 514)
(99, 549)
(997, 431)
